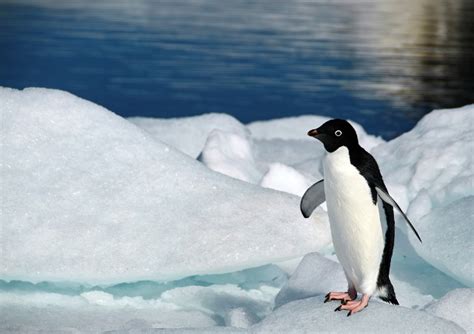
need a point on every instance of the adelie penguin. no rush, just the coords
(353, 189)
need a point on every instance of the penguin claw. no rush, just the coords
(338, 308)
(326, 300)
(349, 313)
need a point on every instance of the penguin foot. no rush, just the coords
(354, 306)
(344, 297)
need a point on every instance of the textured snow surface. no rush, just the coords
(230, 154)
(315, 275)
(448, 239)
(91, 312)
(189, 134)
(430, 171)
(91, 197)
(288, 179)
(457, 306)
(318, 275)
(311, 315)
(174, 243)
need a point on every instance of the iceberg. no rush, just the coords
(89, 197)
(118, 226)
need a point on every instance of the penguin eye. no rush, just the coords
(338, 133)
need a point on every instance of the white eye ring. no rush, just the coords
(338, 133)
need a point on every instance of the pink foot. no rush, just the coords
(342, 296)
(354, 306)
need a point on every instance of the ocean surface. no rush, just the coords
(383, 64)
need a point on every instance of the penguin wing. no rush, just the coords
(389, 200)
(312, 198)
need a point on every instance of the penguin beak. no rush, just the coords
(313, 133)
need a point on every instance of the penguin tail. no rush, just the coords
(386, 292)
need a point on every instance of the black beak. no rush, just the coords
(313, 133)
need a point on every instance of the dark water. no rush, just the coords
(382, 63)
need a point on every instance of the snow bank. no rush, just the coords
(88, 196)
(430, 170)
(457, 306)
(311, 315)
(230, 154)
(188, 134)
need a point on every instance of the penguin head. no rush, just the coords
(334, 134)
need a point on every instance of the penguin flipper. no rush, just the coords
(312, 198)
(389, 200)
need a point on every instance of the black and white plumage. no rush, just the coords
(352, 187)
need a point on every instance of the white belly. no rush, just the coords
(355, 221)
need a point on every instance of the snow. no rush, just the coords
(239, 299)
(430, 171)
(91, 312)
(92, 198)
(311, 315)
(457, 306)
(230, 154)
(318, 275)
(287, 179)
(315, 275)
(449, 249)
(189, 134)
(113, 225)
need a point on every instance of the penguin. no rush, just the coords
(358, 203)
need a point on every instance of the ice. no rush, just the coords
(235, 299)
(228, 304)
(240, 317)
(318, 275)
(91, 312)
(89, 197)
(447, 239)
(315, 275)
(230, 154)
(109, 227)
(429, 170)
(189, 134)
(311, 315)
(285, 178)
(457, 306)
